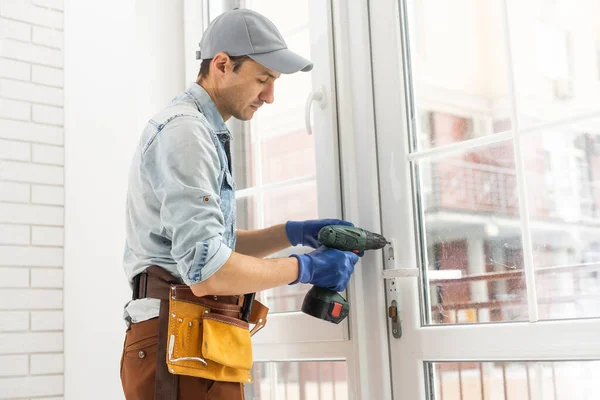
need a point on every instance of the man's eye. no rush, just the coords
(262, 81)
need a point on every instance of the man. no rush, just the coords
(181, 206)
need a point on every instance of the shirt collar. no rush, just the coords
(208, 107)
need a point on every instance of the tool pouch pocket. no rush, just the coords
(223, 334)
(206, 339)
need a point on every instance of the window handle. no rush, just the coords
(318, 96)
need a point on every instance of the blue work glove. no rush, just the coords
(326, 268)
(306, 232)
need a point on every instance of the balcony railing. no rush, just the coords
(473, 187)
(499, 303)
(473, 377)
(481, 188)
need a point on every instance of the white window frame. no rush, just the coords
(295, 327)
(345, 80)
(523, 341)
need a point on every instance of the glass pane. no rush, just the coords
(286, 298)
(471, 226)
(215, 8)
(294, 19)
(555, 51)
(298, 202)
(565, 380)
(260, 389)
(243, 155)
(287, 156)
(246, 213)
(274, 148)
(287, 151)
(459, 70)
(299, 381)
(563, 186)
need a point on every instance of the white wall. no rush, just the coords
(122, 62)
(31, 199)
(160, 54)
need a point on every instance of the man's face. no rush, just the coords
(241, 93)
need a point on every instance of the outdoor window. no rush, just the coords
(515, 380)
(299, 380)
(503, 168)
(274, 157)
(471, 211)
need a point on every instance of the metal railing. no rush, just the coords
(578, 271)
(445, 390)
(588, 271)
(476, 187)
(301, 381)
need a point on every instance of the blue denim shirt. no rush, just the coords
(181, 196)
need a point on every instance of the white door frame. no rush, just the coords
(296, 331)
(345, 81)
(523, 341)
(360, 193)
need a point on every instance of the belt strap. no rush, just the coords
(166, 384)
(156, 283)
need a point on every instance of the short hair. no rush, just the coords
(237, 63)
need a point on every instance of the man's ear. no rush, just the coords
(220, 62)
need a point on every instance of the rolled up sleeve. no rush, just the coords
(183, 168)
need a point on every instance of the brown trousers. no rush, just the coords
(138, 367)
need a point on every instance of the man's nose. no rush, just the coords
(268, 94)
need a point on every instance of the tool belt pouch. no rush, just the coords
(206, 338)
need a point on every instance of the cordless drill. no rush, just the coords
(327, 304)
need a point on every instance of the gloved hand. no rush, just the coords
(306, 232)
(325, 267)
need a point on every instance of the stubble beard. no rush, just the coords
(230, 101)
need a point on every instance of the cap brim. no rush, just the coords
(283, 61)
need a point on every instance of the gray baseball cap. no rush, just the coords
(242, 32)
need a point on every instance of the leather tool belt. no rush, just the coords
(198, 336)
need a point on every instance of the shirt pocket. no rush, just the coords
(228, 207)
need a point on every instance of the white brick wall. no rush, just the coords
(31, 199)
